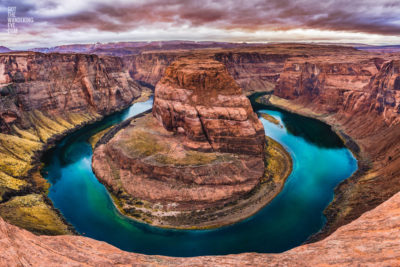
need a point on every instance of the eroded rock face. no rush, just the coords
(384, 88)
(149, 67)
(255, 69)
(57, 84)
(200, 100)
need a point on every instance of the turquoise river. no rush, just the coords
(320, 162)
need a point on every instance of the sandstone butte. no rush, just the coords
(201, 149)
(355, 91)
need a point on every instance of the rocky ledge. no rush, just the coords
(197, 158)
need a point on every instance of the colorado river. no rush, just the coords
(320, 162)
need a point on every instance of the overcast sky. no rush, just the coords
(57, 22)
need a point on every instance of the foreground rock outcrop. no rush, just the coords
(371, 240)
(202, 149)
(43, 97)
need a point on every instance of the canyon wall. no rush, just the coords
(57, 84)
(254, 68)
(148, 68)
(43, 97)
(254, 71)
(360, 97)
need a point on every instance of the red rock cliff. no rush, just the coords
(61, 83)
(199, 99)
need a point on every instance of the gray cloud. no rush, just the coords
(118, 16)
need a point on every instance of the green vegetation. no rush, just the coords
(278, 166)
(277, 162)
(10, 184)
(270, 118)
(191, 158)
(17, 152)
(96, 137)
(45, 127)
(17, 147)
(34, 214)
(26, 134)
(18, 167)
(80, 118)
(143, 144)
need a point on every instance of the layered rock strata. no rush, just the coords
(202, 148)
(255, 69)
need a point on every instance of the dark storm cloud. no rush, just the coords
(381, 17)
(246, 17)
